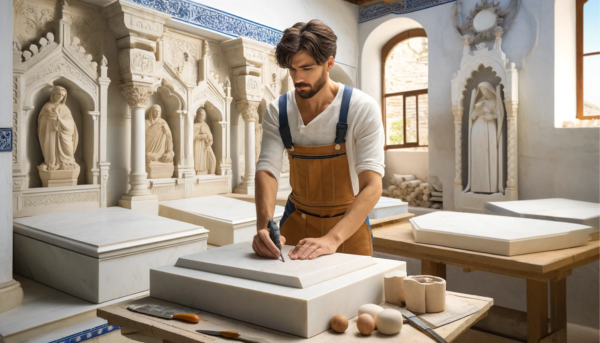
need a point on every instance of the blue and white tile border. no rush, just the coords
(379, 10)
(6, 139)
(87, 334)
(214, 19)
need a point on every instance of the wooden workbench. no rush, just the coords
(180, 332)
(540, 270)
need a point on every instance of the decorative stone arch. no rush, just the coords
(471, 62)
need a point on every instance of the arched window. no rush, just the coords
(588, 59)
(404, 87)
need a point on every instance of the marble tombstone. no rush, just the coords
(497, 234)
(58, 139)
(296, 297)
(215, 212)
(159, 146)
(205, 161)
(388, 207)
(100, 254)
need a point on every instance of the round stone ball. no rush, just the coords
(365, 324)
(389, 322)
(339, 323)
(371, 309)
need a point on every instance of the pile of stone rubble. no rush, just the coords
(416, 192)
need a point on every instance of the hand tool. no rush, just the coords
(233, 335)
(420, 325)
(163, 312)
(275, 234)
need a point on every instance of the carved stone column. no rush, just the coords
(249, 111)
(511, 148)
(139, 196)
(458, 187)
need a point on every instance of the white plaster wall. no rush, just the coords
(406, 162)
(553, 162)
(6, 23)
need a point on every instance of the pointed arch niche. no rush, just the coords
(59, 61)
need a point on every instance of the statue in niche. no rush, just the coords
(486, 115)
(58, 137)
(205, 161)
(159, 145)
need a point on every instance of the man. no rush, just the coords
(334, 140)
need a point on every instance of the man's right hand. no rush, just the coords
(264, 246)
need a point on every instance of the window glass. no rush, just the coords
(406, 66)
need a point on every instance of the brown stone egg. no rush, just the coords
(339, 323)
(365, 324)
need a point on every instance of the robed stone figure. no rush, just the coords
(159, 140)
(205, 161)
(486, 115)
(57, 133)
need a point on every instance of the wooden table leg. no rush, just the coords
(433, 269)
(537, 310)
(558, 304)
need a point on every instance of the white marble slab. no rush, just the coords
(228, 220)
(497, 234)
(46, 310)
(102, 254)
(303, 312)
(388, 207)
(562, 210)
(239, 260)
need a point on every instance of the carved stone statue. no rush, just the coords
(486, 115)
(205, 161)
(58, 139)
(159, 146)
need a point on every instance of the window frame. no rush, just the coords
(385, 51)
(579, 10)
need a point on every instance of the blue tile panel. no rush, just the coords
(6, 139)
(379, 10)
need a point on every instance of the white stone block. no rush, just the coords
(228, 220)
(562, 210)
(100, 254)
(496, 234)
(388, 207)
(239, 260)
(304, 312)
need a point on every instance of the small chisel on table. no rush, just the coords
(275, 234)
(233, 335)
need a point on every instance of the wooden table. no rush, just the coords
(180, 332)
(539, 270)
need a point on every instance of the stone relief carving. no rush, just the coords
(15, 118)
(486, 116)
(159, 145)
(205, 161)
(57, 199)
(183, 57)
(248, 110)
(85, 59)
(484, 18)
(31, 20)
(137, 94)
(58, 139)
(61, 66)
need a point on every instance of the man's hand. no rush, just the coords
(264, 246)
(311, 248)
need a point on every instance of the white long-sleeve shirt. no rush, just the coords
(364, 139)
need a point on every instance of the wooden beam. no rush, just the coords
(537, 310)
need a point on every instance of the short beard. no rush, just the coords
(309, 93)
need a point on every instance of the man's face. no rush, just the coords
(308, 76)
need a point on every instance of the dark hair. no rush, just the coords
(314, 37)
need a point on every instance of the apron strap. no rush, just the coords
(342, 125)
(284, 127)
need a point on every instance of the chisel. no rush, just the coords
(275, 234)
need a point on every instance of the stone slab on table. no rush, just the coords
(562, 210)
(229, 220)
(497, 234)
(303, 312)
(100, 254)
(388, 207)
(239, 260)
(177, 331)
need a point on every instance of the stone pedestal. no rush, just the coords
(159, 170)
(59, 178)
(11, 295)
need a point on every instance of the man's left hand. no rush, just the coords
(311, 248)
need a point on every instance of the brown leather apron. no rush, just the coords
(321, 186)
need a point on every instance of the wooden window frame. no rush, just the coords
(580, 55)
(385, 51)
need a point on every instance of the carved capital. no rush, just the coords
(248, 110)
(137, 94)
